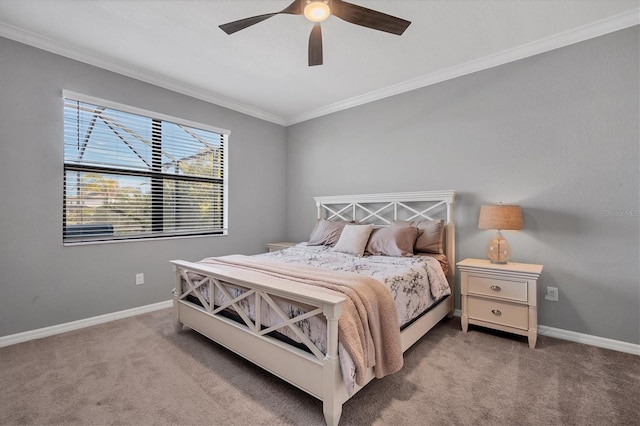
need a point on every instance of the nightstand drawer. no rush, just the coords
(498, 312)
(497, 287)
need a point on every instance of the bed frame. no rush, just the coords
(314, 371)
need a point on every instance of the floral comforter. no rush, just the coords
(415, 282)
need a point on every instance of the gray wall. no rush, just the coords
(556, 133)
(43, 283)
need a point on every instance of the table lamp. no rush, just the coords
(500, 217)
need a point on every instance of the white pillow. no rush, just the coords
(353, 239)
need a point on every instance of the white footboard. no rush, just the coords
(317, 373)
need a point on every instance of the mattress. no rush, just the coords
(416, 284)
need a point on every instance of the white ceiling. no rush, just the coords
(262, 70)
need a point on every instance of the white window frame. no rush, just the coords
(66, 94)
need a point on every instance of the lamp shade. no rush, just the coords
(500, 217)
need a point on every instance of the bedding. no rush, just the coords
(415, 284)
(326, 232)
(430, 239)
(392, 241)
(353, 239)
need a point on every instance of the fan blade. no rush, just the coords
(368, 18)
(234, 26)
(315, 46)
(294, 8)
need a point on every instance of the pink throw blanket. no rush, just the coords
(368, 327)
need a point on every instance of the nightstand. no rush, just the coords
(279, 246)
(500, 296)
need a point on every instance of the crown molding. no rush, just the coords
(576, 35)
(586, 32)
(44, 43)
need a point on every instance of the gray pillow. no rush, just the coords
(326, 233)
(431, 235)
(393, 241)
(353, 239)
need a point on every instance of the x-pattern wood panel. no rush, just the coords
(349, 212)
(254, 325)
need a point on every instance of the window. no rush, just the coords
(131, 174)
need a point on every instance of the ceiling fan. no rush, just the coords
(319, 10)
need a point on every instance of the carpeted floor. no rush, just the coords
(138, 371)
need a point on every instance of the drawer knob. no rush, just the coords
(495, 288)
(496, 312)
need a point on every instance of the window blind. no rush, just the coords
(129, 175)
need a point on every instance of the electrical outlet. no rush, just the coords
(139, 278)
(552, 294)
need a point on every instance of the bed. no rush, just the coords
(265, 307)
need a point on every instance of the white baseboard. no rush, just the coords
(83, 323)
(557, 333)
(588, 339)
(585, 339)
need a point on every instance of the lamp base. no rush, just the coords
(498, 249)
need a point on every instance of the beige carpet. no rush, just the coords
(137, 371)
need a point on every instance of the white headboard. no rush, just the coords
(382, 209)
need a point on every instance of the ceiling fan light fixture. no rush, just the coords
(317, 11)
